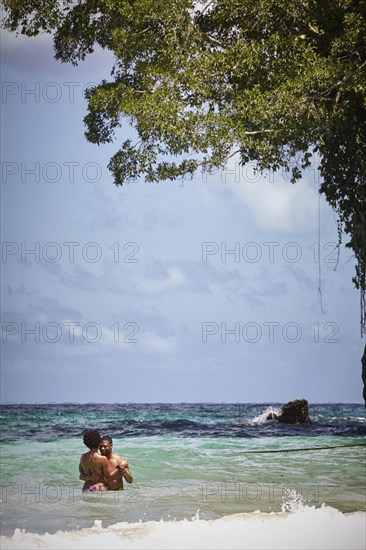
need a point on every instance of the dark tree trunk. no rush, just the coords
(363, 362)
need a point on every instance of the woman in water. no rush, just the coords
(94, 466)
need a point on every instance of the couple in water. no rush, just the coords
(104, 471)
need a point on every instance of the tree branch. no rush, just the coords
(232, 155)
(315, 30)
(214, 40)
(199, 15)
(256, 132)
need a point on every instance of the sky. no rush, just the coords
(203, 290)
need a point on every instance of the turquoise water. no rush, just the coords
(183, 457)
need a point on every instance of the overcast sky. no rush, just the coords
(202, 290)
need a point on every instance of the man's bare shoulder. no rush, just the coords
(115, 456)
(119, 460)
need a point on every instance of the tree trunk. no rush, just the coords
(363, 362)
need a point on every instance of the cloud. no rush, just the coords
(50, 308)
(151, 278)
(163, 279)
(275, 204)
(279, 207)
(156, 344)
(302, 278)
(17, 290)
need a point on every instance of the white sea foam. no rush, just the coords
(306, 528)
(262, 418)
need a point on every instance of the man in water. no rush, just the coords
(115, 483)
(95, 469)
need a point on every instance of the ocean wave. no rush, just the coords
(44, 422)
(263, 417)
(300, 528)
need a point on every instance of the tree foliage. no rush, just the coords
(272, 81)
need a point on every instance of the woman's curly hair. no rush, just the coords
(92, 439)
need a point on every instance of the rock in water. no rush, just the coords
(294, 412)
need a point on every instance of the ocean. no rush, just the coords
(206, 475)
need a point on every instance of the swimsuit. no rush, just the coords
(91, 489)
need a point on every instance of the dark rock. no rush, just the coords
(294, 412)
